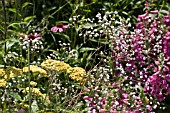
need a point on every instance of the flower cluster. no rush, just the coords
(142, 56)
(33, 39)
(34, 69)
(50, 64)
(140, 64)
(35, 91)
(2, 82)
(10, 72)
(77, 73)
(32, 83)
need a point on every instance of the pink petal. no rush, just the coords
(54, 29)
(65, 26)
(60, 29)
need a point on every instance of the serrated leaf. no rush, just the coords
(26, 3)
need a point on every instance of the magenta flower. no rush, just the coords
(59, 27)
(166, 20)
(87, 98)
(154, 12)
(141, 17)
(140, 25)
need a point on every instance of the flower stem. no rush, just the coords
(5, 34)
(29, 76)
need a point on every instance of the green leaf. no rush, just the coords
(86, 109)
(88, 25)
(88, 11)
(163, 11)
(52, 8)
(64, 36)
(14, 11)
(64, 22)
(15, 25)
(25, 4)
(34, 106)
(28, 18)
(15, 95)
(87, 49)
(152, 15)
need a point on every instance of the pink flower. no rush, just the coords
(154, 12)
(59, 27)
(141, 17)
(87, 98)
(34, 37)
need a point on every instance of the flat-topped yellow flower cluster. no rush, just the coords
(35, 91)
(75, 73)
(50, 64)
(34, 69)
(8, 73)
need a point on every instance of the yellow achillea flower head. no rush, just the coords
(77, 73)
(2, 83)
(2, 72)
(32, 83)
(10, 72)
(50, 64)
(13, 72)
(34, 69)
(35, 91)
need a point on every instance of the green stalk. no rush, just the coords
(5, 51)
(4, 106)
(5, 31)
(29, 76)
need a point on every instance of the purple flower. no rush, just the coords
(167, 77)
(136, 111)
(59, 27)
(139, 25)
(20, 111)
